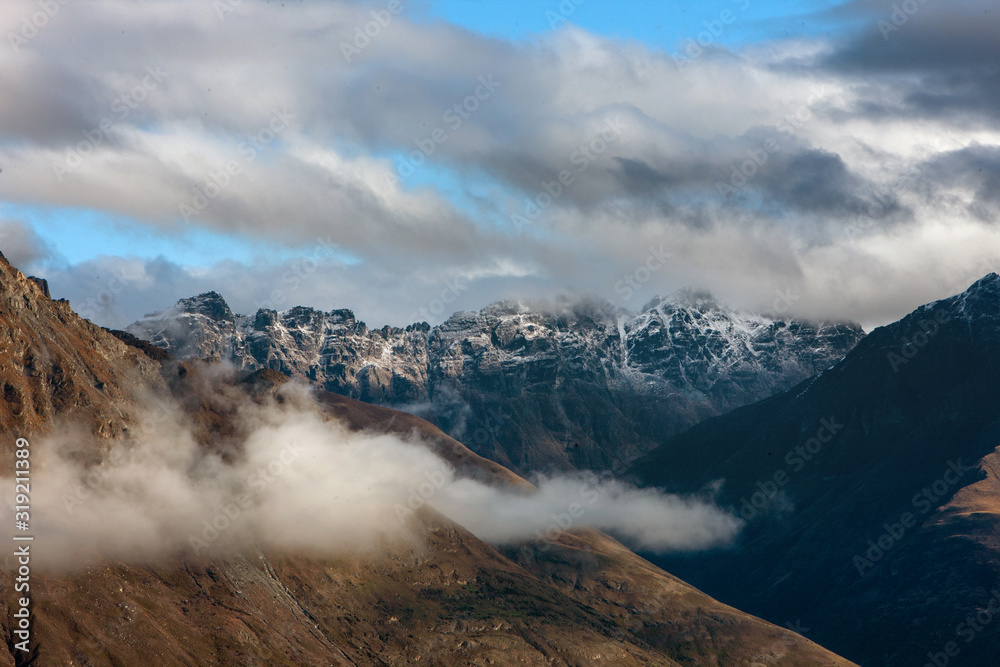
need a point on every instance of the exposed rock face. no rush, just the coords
(53, 363)
(452, 600)
(572, 385)
(872, 492)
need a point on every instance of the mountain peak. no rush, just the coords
(685, 298)
(594, 355)
(210, 304)
(981, 300)
(42, 283)
(342, 315)
(990, 281)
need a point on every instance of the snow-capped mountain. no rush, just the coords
(570, 384)
(903, 430)
(441, 596)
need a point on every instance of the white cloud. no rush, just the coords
(845, 132)
(287, 479)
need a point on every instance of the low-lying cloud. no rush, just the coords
(646, 518)
(288, 479)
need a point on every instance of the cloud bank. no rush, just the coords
(857, 169)
(287, 479)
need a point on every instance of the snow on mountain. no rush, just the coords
(571, 384)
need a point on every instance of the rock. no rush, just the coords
(575, 384)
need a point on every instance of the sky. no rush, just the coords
(410, 158)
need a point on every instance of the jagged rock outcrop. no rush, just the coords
(446, 599)
(872, 492)
(575, 384)
(54, 363)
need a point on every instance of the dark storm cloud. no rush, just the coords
(639, 178)
(813, 181)
(47, 102)
(943, 57)
(975, 170)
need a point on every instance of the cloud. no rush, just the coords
(971, 174)
(645, 518)
(643, 143)
(288, 479)
(941, 58)
(116, 291)
(21, 245)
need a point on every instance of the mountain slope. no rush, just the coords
(53, 364)
(563, 386)
(872, 492)
(450, 599)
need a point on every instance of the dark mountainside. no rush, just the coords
(575, 385)
(873, 493)
(454, 600)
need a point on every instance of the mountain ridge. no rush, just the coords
(479, 373)
(879, 533)
(450, 600)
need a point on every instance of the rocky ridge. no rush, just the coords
(451, 600)
(574, 384)
(871, 492)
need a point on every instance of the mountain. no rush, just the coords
(575, 384)
(872, 493)
(447, 598)
(54, 364)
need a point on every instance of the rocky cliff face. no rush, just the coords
(447, 599)
(575, 384)
(54, 363)
(872, 492)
